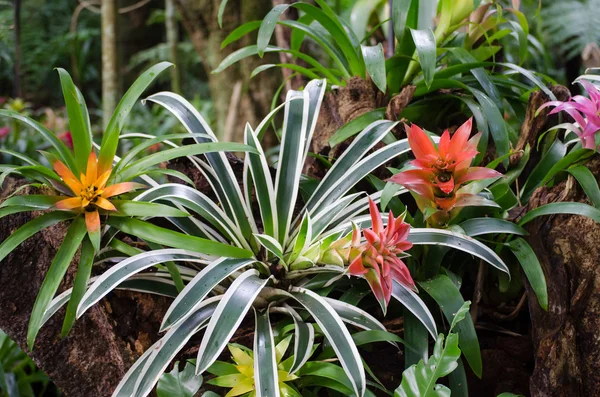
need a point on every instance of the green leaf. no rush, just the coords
(120, 272)
(554, 154)
(228, 316)
(266, 380)
(420, 379)
(84, 270)
(375, 63)
(221, 12)
(267, 27)
(448, 297)
(139, 166)
(110, 139)
(63, 151)
(199, 287)
(478, 226)
(356, 125)
(496, 123)
(587, 181)
(179, 384)
(170, 238)
(458, 241)
(532, 268)
(141, 209)
(336, 332)
(240, 32)
(426, 48)
(31, 228)
(58, 268)
(32, 201)
(79, 120)
(400, 10)
(353, 315)
(460, 314)
(562, 208)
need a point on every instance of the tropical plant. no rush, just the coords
(82, 200)
(281, 259)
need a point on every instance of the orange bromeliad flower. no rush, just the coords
(441, 171)
(90, 192)
(377, 259)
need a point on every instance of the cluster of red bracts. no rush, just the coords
(377, 259)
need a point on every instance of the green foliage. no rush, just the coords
(179, 384)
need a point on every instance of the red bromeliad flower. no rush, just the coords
(4, 131)
(441, 171)
(377, 259)
(90, 192)
(67, 139)
(585, 111)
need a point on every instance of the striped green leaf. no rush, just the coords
(266, 380)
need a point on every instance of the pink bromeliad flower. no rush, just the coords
(585, 111)
(4, 131)
(67, 139)
(441, 171)
(377, 259)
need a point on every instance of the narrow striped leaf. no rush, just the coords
(225, 186)
(199, 287)
(228, 316)
(266, 380)
(334, 329)
(291, 159)
(126, 386)
(353, 315)
(263, 184)
(478, 226)
(114, 276)
(304, 338)
(31, 228)
(162, 156)
(364, 142)
(458, 241)
(450, 300)
(413, 303)
(58, 268)
(196, 201)
(171, 344)
(271, 245)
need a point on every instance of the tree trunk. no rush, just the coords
(17, 86)
(110, 85)
(199, 17)
(172, 41)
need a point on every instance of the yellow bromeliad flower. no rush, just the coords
(90, 192)
(240, 377)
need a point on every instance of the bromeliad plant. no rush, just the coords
(279, 260)
(84, 190)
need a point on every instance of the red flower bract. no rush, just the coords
(377, 259)
(441, 171)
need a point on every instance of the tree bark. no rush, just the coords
(110, 83)
(199, 17)
(172, 41)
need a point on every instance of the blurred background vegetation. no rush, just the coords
(38, 35)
